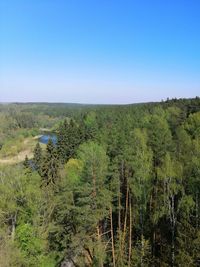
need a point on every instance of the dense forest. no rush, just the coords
(121, 186)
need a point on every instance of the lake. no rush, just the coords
(46, 137)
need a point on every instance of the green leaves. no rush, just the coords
(160, 137)
(28, 242)
(121, 188)
(193, 124)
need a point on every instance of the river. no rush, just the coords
(46, 137)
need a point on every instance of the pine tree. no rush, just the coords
(62, 140)
(69, 138)
(92, 203)
(26, 163)
(50, 165)
(37, 159)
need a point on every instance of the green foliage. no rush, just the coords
(26, 163)
(50, 165)
(193, 124)
(120, 188)
(69, 137)
(160, 137)
(141, 255)
(30, 245)
(73, 169)
(37, 158)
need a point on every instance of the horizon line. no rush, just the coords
(95, 104)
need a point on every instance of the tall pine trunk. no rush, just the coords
(130, 232)
(125, 221)
(112, 238)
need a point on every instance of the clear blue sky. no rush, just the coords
(99, 51)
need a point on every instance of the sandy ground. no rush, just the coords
(22, 154)
(19, 158)
(37, 137)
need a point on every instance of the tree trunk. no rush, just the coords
(130, 232)
(125, 219)
(197, 211)
(99, 240)
(173, 230)
(14, 219)
(119, 213)
(112, 237)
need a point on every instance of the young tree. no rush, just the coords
(26, 164)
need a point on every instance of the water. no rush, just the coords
(46, 137)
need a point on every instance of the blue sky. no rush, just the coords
(99, 51)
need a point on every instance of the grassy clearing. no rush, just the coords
(15, 150)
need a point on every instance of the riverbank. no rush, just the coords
(20, 149)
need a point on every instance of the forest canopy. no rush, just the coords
(120, 187)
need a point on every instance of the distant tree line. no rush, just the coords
(120, 188)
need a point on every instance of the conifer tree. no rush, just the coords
(37, 158)
(50, 165)
(26, 164)
(69, 138)
(93, 202)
